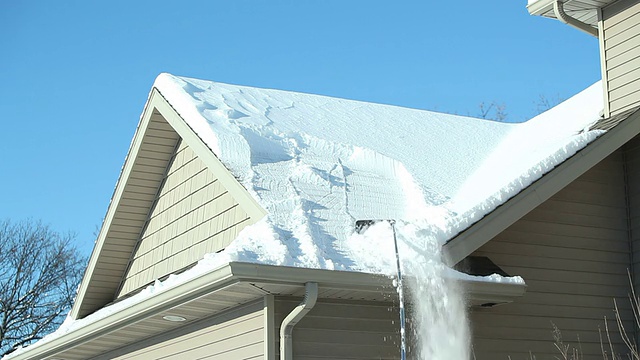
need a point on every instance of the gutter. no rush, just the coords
(228, 276)
(558, 10)
(286, 330)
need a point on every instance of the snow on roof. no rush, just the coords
(317, 164)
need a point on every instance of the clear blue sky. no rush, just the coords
(74, 75)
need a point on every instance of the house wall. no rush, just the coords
(632, 171)
(342, 330)
(193, 215)
(620, 52)
(236, 334)
(573, 252)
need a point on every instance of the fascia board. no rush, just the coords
(505, 215)
(334, 279)
(200, 148)
(485, 291)
(540, 7)
(235, 273)
(113, 204)
(199, 286)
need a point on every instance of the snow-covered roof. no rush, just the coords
(317, 164)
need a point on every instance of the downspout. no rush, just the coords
(286, 339)
(558, 9)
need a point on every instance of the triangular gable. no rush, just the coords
(115, 264)
(535, 194)
(193, 215)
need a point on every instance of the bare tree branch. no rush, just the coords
(493, 111)
(39, 273)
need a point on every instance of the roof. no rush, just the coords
(585, 11)
(317, 164)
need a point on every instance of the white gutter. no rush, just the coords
(286, 330)
(558, 9)
(97, 326)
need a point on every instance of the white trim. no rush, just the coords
(603, 65)
(269, 328)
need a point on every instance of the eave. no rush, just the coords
(621, 129)
(231, 285)
(585, 11)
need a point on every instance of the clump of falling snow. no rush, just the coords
(439, 312)
(439, 326)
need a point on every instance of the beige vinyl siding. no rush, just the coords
(342, 330)
(632, 171)
(621, 54)
(193, 215)
(236, 334)
(138, 194)
(573, 252)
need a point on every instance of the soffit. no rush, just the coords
(226, 288)
(585, 11)
(134, 194)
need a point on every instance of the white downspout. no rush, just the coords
(558, 9)
(286, 329)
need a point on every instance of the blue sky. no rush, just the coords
(75, 75)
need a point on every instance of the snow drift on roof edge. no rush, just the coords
(317, 164)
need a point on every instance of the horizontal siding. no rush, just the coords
(193, 215)
(573, 252)
(131, 213)
(621, 52)
(342, 330)
(632, 162)
(236, 334)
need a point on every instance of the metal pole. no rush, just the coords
(403, 336)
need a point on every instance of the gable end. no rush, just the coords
(159, 133)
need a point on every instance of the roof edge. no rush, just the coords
(541, 190)
(540, 7)
(237, 272)
(206, 154)
(113, 203)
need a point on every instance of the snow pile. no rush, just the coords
(318, 164)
